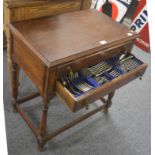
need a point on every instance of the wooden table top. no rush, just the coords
(65, 37)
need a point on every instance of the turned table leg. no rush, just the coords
(108, 102)
(14, 70)
(43, 126)
(13, 73)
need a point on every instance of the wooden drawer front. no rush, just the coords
(76, 103)
(31, 66)
(93, 59)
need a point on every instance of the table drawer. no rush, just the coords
(76, 102)
(94, 58)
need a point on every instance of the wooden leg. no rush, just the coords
(40, 145)
(108, 102)
(14, 70)
(43, 126)
(4, 41)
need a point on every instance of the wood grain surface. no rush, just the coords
(71, 35)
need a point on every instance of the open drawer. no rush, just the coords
(98, 90)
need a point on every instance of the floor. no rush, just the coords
(125, 130)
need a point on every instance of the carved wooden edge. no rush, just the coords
(25, 3)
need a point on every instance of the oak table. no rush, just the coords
(45, 48)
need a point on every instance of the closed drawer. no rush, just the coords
(76, 102)
(94, 58)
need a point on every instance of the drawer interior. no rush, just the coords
(91, 82)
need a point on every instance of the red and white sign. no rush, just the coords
(118, 8)
(140, 25)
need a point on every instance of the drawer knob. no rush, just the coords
(140, 75)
